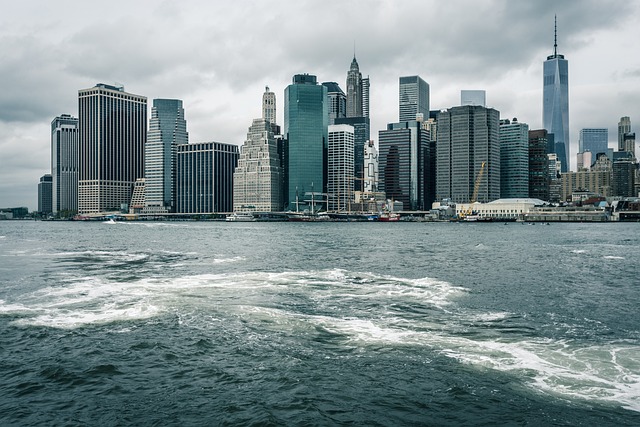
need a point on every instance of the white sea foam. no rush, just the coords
(227, 260)
(579, 251)
(612, 257)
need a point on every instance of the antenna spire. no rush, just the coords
(555, 35)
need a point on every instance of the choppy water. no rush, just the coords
(319, 324)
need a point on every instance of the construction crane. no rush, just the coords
(476, 188)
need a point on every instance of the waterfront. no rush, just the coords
(202, 323)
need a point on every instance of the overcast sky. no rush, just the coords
(218, 57)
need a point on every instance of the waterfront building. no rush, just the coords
(340, 167)
(623, 174)
(514, 159)
(595, 181)
(404, 165)
(64, 164)
(413, 98)
(501, 209)
(337, 102)
(370, 180)
(595, 140)
(45, 194)
(624, 126)
(538, 165)
(305, 129)
(257, 180)
(473, 97)
(555, 104)
(113, 133)
(468, 137)
(167, 130)
(205, 177)
(137, 203)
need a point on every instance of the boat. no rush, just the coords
(240, 217)
(389, 217)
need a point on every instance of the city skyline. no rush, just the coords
(215, 68)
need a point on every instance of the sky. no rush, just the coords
(219, 56)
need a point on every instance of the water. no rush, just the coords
(189, 323)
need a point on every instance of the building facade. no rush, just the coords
(623, 174)
(361, 130)
(404, 164)
(357, 90)
(624, 126)
(595, 181)
(205, 177)
(413, 98)
(340, 167)
(538, 165)
(555, 103)
(595, 140)
(468, 137)
(112, 136)
(167, 130)
(257, 180)
(473, 97)
(337, 102)
(514, 159)
(305, 129)
(370, 182)
(269, 106)
(64, 164)
(45, 194)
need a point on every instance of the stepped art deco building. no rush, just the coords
(64, 163)
(555, 104)
(167, 130)
(113, 133)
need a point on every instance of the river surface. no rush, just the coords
(213, 323)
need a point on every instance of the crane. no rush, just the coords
(476, 188)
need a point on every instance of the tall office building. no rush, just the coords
(468, 136)
(404, 164)
(555, 106)
(473, 97)
(414, 98)
(167, 130)
(629, 142)
(366, 84)
(361, 129)
(305, 128)
(45, 192)
(624, 126)
(257, 180)
(595, 140)
(355, 90)
(205, 177)
(64, 164)
(514, 159)
(370, 168)
(538, 165)
(340, 167)
(337, 102)
(113, 133)
(269, 106)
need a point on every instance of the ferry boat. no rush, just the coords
(240, 217)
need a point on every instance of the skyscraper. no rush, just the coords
(64, 163)
(624, 126)
(337, 102)
(538, 165)
(257, 180)
(167, 130)
(113, 133)
(366, 84)
(269, 106)
(45, 191)
(414, 98)
(514, 159)
(555, 104)
(355, 90)
(468, 136)
(404, 164)
(370, 168)
(340, 167)
(473, 97)
(595, 140)
(305, 128)
(205, 177)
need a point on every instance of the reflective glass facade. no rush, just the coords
(538, 165)
(64, 163)
(414, 98)
(305, 127)
(595, 140)
(555, 105)
(514, 160)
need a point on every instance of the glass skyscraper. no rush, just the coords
(414, 98)
(64, 163)
(167, 129)
(306, 120)
(555, 105)
(514, 159)
(595, 140)
(113, 133)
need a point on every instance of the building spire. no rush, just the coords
(555, 35)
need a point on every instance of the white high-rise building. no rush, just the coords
(64, 163)
(340, 167)
(624, 126)
(257, 180)
(167, 129)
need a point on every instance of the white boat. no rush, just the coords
(240, 217)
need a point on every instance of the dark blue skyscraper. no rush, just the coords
(555, 107)
(306, 120)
